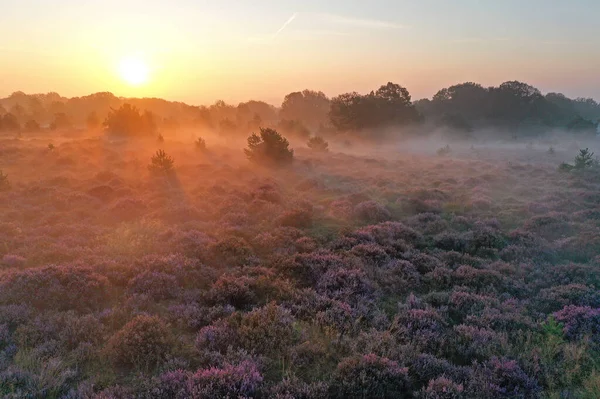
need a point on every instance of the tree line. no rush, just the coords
(461, 109)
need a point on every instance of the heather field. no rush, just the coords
(366, 271)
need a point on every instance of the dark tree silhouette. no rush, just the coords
(269, 148)
(93, 121)
(310, 107)
(390, 105)
(10, 123)
(61, 121)
(128, 121)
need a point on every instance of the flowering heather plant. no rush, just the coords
(55, 287)
(371, 212)
(370, 376)
(230, 382)
(580, 321)
(442, 388)
(156, 285)
(144, 343)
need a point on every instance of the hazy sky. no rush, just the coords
(199, 51)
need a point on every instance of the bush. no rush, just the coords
(229, 382)
(299, 218)
(502, 378)
(144, 343)
(128, 121)
(318, 144)
(55, 288)
(444, 151)
(161, 163)
(200, 144)
(369, 376)
(156, 285)
(442, 388)
(584, 160)
(371, 212)
(269, 147)
(268, 330)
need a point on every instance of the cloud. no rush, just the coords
(285, 25)
(365, 23)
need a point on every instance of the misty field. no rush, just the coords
(386, 271)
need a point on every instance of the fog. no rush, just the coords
(152, 249)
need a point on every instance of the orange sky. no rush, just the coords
(198, 52)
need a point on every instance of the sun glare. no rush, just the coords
(134, 71)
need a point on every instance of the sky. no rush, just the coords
(200, 51)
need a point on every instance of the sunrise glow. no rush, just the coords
(134, 71)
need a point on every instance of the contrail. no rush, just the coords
(289, 21)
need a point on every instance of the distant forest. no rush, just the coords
(514, 108)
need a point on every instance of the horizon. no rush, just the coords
(198, 53)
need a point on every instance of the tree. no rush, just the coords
(390, 105)
(10, 123)
(128, 121)
(269, 147)
(294, 128)
(32, 125)
(394, 106)
(310, 107)
(468, 100)
(348, 112)
(61, 121)
(93, 121)
(161, 163)
(318, 144)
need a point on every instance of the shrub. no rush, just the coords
(143, 342)
(293, 388)
(128, 121)
(444, 151)
(442, 388)
(4, 183)
(317, 144)
(200, 144)
(161, 163)
(579, 321)
(502, 378)
(156, 285)
(267, 330)
(371, 212)
(299, 218)
(369, 376)
(269, 147)
(55, 288)
(585, 159)
(229, 382)
(346, 285)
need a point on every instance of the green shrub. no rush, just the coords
(161, 163)
(269, 147)
(143, 343)
(585, 159)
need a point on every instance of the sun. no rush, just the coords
(134, 71)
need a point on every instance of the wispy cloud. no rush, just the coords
(480, 40)
(285, 25)
(366, 23)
